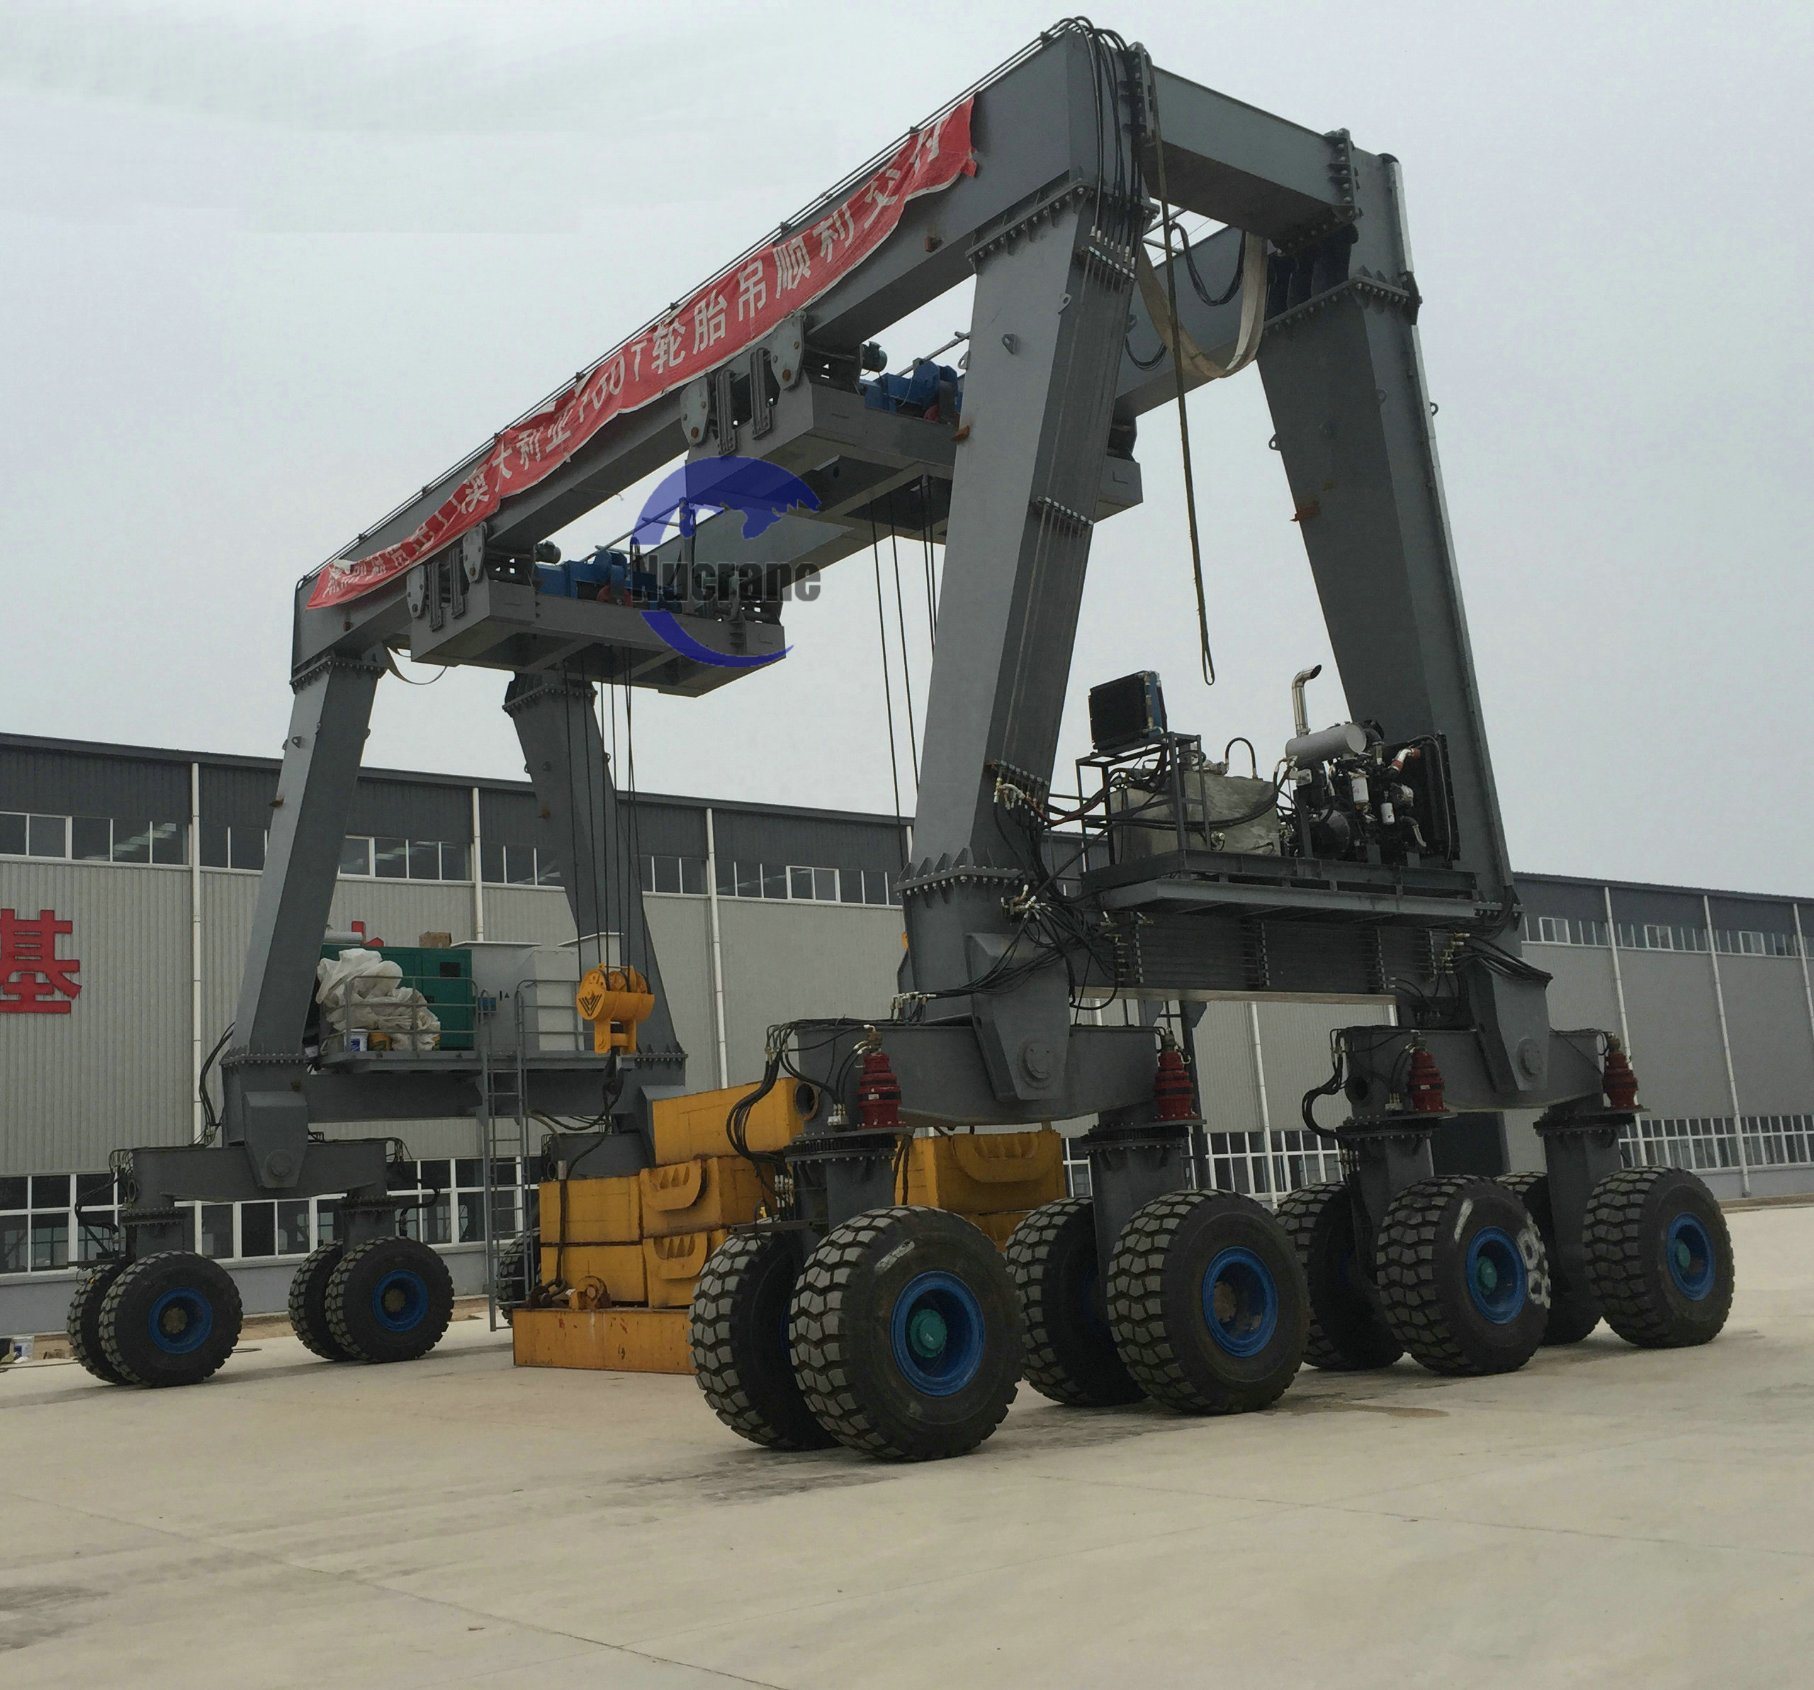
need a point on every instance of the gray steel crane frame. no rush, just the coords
(1052, 391)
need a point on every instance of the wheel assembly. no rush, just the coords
(1348, 1331)
(309, 1303)
(84, 1322)
(1207, 1303)
(738, 1337)
(169, 1319)
(906, 1334)
(519, 1271)
(1070, 1350)
(1574, 1311)
(1463, 1276)
(1659, 1257)
(389, 1300)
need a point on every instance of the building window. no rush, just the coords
(94, 839)
(390, 859)
(673, 875)
(232, 847)
(51, 1222)
(1711, 1142)
(97, 839)
(402, 859)
(799, 881)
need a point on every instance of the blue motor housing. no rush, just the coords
(933, 391)
(602, 574)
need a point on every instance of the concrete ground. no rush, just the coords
(1605, 1517)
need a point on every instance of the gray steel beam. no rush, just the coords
(328, 723)
(1243, 166)
(586, 831)
(1344, 379)
(1045, 351)
(804, 541)
(1034, 126)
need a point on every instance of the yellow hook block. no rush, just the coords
(616, 1001)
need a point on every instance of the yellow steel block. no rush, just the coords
(614, 1340)
(617, 1267)
(673, 1265)
(686, 1127)
(592, 1211)
(695, 1196)
(998, 1227)
(986, 1173)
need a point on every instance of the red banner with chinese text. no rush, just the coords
(736, 308)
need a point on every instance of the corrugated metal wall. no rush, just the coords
(1581, 992)
(130, 786)
(1675, 1033)
(1772, 1042)
(752, 836)
(786, 960)
(115, 1070)
(1223, 1053)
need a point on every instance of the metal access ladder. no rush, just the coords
(504, 1136)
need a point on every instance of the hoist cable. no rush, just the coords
(894, 766)
(1169, 225)
(900, 617)
(931, 573)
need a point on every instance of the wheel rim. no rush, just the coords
(1496, 1278)
(400, 1300)
(937, 1334)
(1240, 1302)
(1689, 1251)
(180, 1321)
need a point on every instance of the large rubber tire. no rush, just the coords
(1348, 1333)
(1207, 1303)
(1070, 1351)
(1659, 1257)
(519, 1272)
(1463, 1275)
(389, 1300)
(906, 1334)
(309, 1303)
(169, 1319)
(738, 1337)
(1574, 1311)
(84, 1322)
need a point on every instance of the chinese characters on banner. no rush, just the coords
(34, 980)
(731, 311)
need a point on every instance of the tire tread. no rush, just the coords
(1615, 1240)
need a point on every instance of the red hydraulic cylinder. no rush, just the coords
(1173, 1099)
(1424, 1086)
(878, 1094)
(1617, 1077)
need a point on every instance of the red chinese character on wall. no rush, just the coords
(34, 980)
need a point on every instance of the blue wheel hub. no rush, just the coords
(937, 1334)
(400, 1300)
(180, 1321)
(1240, 1302)
(1497, 1281)
(1689, 1251)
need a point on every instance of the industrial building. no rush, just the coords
(128, 875)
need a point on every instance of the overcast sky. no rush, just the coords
(267, 269)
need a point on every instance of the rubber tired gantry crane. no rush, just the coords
(1375, 862)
